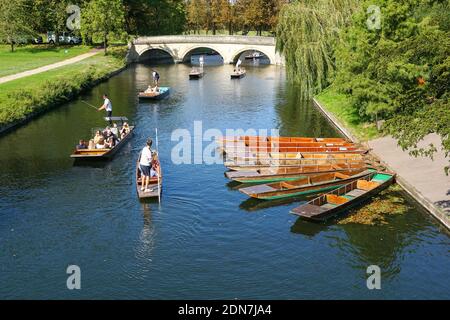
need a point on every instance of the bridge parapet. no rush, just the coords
(267, 41)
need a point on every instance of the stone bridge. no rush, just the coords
(181, 47)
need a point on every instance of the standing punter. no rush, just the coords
(145, 165)
(107, 106)
(155, 76)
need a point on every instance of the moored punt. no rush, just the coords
(268, 175)
(296, 158)
(294, 153)
(160, 94)
(308, 185)
(238, 74)
(103, 154)
(290, 163)
(196, 74)
(345, 197)
(155, 185)
(248, 139)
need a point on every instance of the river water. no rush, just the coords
(205, 239)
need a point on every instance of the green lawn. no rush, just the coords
(23, 96)
(31, 57)
(340, 105)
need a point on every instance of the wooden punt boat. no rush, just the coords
(287, 159)
(291, 164)
(248, 139)
(103, 154)
(253, 56)
(268, 175)
(345, 197)
(309, 185)
(238, 74)
(161, 94)
(262, 157)
(155, 185)
(196, 74)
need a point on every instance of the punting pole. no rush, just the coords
(157, 151)
(88, 104)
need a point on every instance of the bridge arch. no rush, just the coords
(160, 53)
(235, 56)
(185, 54)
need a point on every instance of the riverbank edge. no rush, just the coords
(428, 205)
(8, 128)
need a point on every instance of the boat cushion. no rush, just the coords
(366, 185)
(334, 199)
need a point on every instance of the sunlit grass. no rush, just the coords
(340, 105)
(34, 56)
(21, 97)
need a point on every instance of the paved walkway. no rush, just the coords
(49, 67)
(425, 178)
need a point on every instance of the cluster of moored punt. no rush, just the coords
(289, 167)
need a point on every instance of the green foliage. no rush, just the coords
(103, 19)
(155, 17)
(13, 21)
(236, 15)
(401, 72)
(306, 34)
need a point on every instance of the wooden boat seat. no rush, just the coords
(337, 200)
(356, 193)
(286, 185)
(366, 185)
(341, 175)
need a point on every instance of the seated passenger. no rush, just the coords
(107, 133)
(125, 130)
(115, 130)
(81, 145)
(91, 144)
(154, 171)
(98, 136)
(110, 143)
(101, 144)
(149, 89)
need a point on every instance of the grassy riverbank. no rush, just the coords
(23, 97)
(30, 57)
(339, 105)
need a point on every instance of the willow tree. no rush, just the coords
(307, 33)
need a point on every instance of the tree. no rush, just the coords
(307, 32)
(103, 18)
(259, 14)
(13, 21)
(196, 15)
(155, 17)
(400, 71)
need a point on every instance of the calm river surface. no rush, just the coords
(204, 240)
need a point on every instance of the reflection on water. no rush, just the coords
(200, 242)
